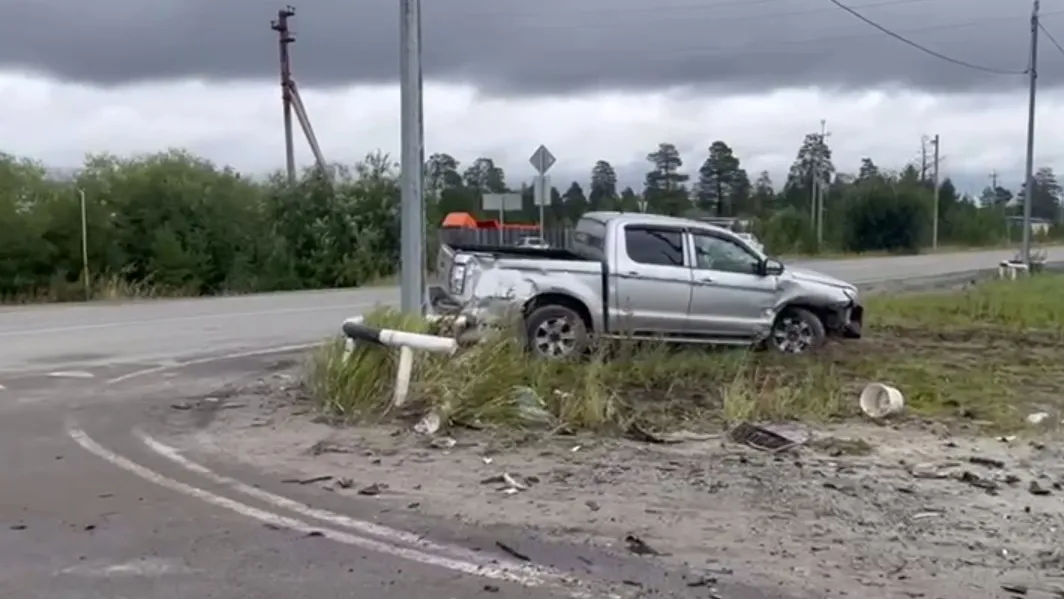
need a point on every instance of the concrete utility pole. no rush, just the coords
(284, 38)
(934, 217)
(412, 238)
(1032, 75)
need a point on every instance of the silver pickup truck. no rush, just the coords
(645, 276)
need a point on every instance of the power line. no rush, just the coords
(924, 49)
(686, 7)
(1052, 39)
(773, 47)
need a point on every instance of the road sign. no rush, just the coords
(502, 202)
(542, 160)
(541, 191)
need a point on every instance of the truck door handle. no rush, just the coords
(705, 280)
(631, 273)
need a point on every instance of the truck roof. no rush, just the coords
(657, 219)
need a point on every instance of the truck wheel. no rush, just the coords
(556, 332)
(797, 331)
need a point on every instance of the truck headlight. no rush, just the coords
(457, 283)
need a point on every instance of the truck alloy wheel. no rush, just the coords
(797, 331)
(556, 333)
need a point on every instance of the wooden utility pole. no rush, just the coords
(284, 39)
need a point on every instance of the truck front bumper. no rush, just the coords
(853, 321)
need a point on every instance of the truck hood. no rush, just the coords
(818, 278)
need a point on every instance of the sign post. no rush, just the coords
(501, 202)
(542, 160)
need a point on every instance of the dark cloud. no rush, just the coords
(535, 47)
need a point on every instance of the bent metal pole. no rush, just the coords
(412, 236)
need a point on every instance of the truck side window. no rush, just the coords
(649, 245)
(716, 253)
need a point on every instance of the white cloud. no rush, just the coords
(239, 124)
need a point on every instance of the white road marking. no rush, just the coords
(502, 570)
(284, 503)
(72, 374)
(138, 567)
(234, 356)
(172, 319)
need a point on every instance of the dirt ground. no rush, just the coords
(858, 510)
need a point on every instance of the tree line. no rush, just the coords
(176, 223)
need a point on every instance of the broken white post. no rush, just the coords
(355, 330)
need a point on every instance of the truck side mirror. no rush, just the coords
(771, 267)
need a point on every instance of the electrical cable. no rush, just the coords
(1052, 39)
(924, 49)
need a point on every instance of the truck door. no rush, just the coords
(653, 284)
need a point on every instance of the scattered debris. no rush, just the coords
(975, 481)
(344, 482)
(637, 432)
(371, 490)
(1037, 418)
(879, 401)
(1036, 489)
(315, 533)
(429, 424)
(512, 552)
(985, 461)
(592, 505)
(17, 527)
(181, 406)
(532, 408)
(510, 483)
(1016, 589)
(326, 446)
(308, 481)
(490, 588)
(702, 581)
(443, 442)
(639, 547)
(761, 438)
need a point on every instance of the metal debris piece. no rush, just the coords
(308, 481)
(985, 461)
(371, 490)
(761, 438)
(975, 481)
(443, 442)
(512, 552)
(429, 424)
(344, 482)
(639, 433)
(1015, 589)
(639, 547)
(327, 446)
(1036, 489)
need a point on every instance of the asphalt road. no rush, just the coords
(88, 511)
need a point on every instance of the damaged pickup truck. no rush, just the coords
(642, 276)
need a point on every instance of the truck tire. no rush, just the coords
(797, 331)
(556, 332)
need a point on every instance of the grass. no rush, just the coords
(985, 357)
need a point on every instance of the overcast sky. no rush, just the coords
(547, 46)
(595, 79)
